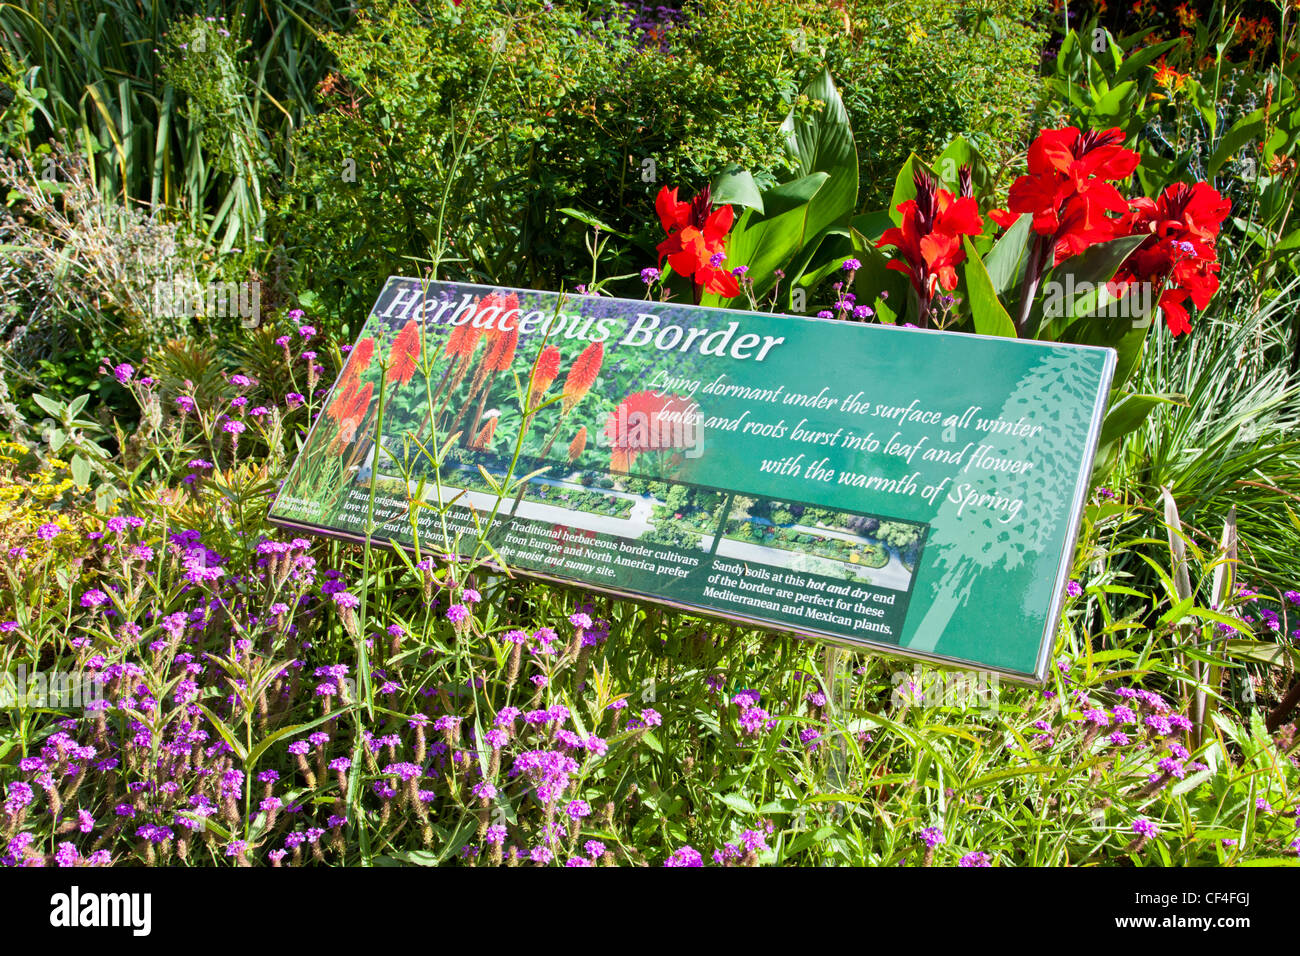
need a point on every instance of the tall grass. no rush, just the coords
(102, 65)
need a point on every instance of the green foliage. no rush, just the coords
(474, 128)
(110, 74)
(913, 75)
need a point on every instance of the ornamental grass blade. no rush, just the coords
(1225, 574)
(1181, 579)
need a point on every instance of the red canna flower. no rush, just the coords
(404, 354)
(930, 237)
(1068, 193)
(1068, 188)
(1180, 254)
(578, 445)
(645, 421)
(694, 245)
(582, 375)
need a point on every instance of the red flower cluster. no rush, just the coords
(404, 354)
(358, 362)
(348, 411)
(642, 422)
(582, 375)
(1179, 253)
(694, 246)
(545, 370)
(1069, 190)
(930, 237)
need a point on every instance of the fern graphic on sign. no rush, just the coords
(1035, 539)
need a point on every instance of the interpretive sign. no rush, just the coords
(915, 492)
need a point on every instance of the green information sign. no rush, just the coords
(909, 491)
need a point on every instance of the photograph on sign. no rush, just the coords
(914, 492)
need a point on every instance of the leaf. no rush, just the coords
(872, 225)
(1241, 132)
(1177, 546)
(1069, 57)
(1098, 263)
(1225, 571)
(955, 155)
(905, 186)
(1142, 58)
(739, 803)
(80, 468)
(286, 731)
(824, 143)
(1179, 610)
(990, 316)
(1192, 782)
(737, 188)
(1131, 411)
(592, 221)
(1004, 774)
(1006, 260)
(1077, 276)
(1115, 104)
(768, 242)
(1263, 652)
(225, 732)
(875, 276)
(414, 857)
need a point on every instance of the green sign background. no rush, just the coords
(912, 491)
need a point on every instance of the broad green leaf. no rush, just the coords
(1094, 266)
(955, 155)
(1115, 105)
(1006, 260)
(768, 242)
(1147, 55)
(737, 187)
(872, 225)
(1098, 263)
(990, 316)
(1069, 58)
(80, 468)
(1131, 411)
(739, 803)
(1238, 135)
(823, 142)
